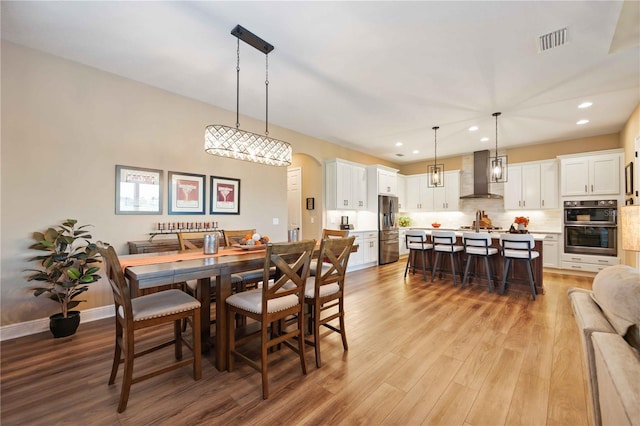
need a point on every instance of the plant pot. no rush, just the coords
(63, 327)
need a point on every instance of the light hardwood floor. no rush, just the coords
(419, 353)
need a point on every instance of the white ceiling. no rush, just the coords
(368, 74)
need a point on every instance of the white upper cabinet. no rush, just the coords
(447, 197)
(402, 192)
(532, 186)
(597, 174)
(346, 185)
(419, 195)
(387, 182)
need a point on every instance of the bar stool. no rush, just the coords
(445, 242)
(478, 244)
(518, 247)
(417, 241)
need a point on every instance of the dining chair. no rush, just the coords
(271, 305)
(417, 241)
(518, 247)
(445, 242)
(250, 279)
(324, 292)
(328, 233)
(143, 312)
(478, 245)
(194, 241)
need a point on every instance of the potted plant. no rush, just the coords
(68, 269)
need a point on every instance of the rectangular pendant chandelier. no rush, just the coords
(230, 142)
(435, 175)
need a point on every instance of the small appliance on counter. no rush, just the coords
(344, 223)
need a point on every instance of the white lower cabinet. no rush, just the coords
(367, 254)
(583, 262)
(550, 251)
(402, 244)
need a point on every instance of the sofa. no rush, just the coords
(608, 317)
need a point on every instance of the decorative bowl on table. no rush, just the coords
(435, 225)
(253, 241)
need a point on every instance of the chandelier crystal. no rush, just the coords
(230, 142)
(497, 164)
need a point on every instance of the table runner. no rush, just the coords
(175, 257)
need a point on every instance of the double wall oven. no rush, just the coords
(590, 227)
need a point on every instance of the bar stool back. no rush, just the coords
(518, 247)
(445, 242)
(417, 241)
(478, 244)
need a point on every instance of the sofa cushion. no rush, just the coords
(616, 290)
(618, 369)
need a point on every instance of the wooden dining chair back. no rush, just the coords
(194, 240)
(250, 279)
(270, 305)
(148, 311)
(328, 233)
(234, 236)
(324, 293)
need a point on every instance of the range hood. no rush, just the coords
(481, 178)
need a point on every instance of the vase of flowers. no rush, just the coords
(522, 223)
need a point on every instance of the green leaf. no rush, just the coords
(51, 235)
(72, 304)
(87, 279)
(70, 222)
(38, 236)
(39, 290)
(73, 273)
(92, 270)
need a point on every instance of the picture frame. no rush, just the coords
(138, 190)
(186, 193)
(628, 179)
(224, 195)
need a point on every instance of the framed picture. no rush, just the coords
(138, 190)
(628, 179)
(225, 195)
(186, 193)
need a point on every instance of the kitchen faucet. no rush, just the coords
(478, 217)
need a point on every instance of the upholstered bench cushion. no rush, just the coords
(616, 290)
(618, 370)
(161, 304)
(252, 301)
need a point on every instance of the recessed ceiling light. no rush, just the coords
(485, 139)
(473, 128)
(585, 105)
(583, 121)
(398, 143)
(415, 151)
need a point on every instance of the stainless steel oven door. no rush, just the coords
(586, 239)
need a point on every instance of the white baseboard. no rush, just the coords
(26, 328)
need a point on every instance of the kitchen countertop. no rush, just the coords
(495, 234)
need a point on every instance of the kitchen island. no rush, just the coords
(518, 277)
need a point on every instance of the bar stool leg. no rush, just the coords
(531, 281)
(490, 275)
(435, 265)
(504, 277)
(406, 268)
(453, 267)
(424, 266)
(466, 270)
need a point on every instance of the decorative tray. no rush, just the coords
(248, 247)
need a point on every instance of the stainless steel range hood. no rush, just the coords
(481, 178)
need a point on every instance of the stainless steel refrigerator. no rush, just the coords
(388, 248)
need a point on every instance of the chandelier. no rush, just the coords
(497, 164)
(230, 142)
(435, 172)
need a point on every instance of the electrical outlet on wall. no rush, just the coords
(276, 221)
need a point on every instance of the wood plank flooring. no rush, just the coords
(419, 353)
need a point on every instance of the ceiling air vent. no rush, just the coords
(552, 40)
(399, 155)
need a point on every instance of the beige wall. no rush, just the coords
(628, 135)
(531, 153)
(64, 128)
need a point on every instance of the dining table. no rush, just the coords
(152, 270)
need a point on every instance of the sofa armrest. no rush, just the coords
(589, 318)
(618, 374)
